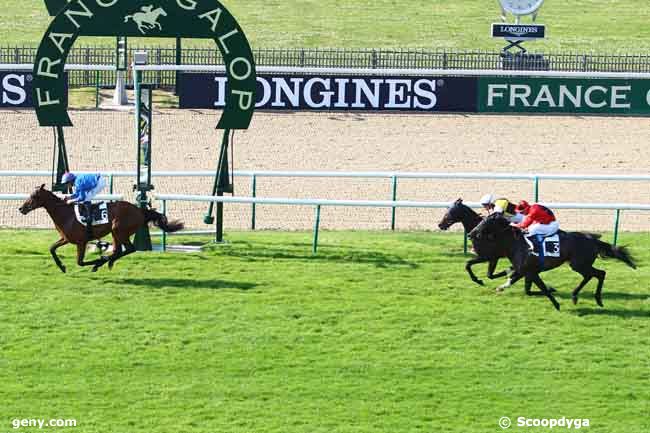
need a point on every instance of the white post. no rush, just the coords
(119, 97)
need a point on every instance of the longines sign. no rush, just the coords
(295, 92)
(521, 32)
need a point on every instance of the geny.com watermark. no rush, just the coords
(522, 421)
(41, 423)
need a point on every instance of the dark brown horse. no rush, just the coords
(125, 219)
(461, 213)
(580, 250)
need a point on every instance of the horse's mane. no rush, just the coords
(57, 200)
(495, 218)
(467, 208)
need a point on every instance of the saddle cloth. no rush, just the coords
(99, 212)
(551, 246)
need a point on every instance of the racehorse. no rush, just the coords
(147, 19)
(459, 213)
(125, 219)
(579, 249)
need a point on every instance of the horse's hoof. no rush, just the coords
(94, 269)
(552, 289)
(557, 306)
(62, 269)
(575, 300)
(110, 266)
(479, 282)
(599, 302)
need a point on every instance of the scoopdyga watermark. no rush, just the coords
(563, 422)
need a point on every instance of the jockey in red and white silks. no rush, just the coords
(539, 219)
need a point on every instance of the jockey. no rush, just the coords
(502, 206)
(539, 222)
(86, 187)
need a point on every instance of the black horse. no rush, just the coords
(459, 213)
(579, 249)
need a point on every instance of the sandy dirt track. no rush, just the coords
(187, 140)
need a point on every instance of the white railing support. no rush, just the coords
(317, 203)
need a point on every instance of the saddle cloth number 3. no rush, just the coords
(552, 246)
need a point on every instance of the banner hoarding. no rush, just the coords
(336, 92)
(564, 95)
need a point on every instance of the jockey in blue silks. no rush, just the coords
(86, 187)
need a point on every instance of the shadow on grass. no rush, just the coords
(625, 296)
(187, 283)
(26, 252)
(566, 294)
(378, 259)
(607, 312)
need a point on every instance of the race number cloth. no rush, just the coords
(99, 214)
(551, 246)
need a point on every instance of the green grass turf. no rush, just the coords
(590, 25)
(379, 332)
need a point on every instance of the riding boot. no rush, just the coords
(89, 220)
(530, 240)
(540, 246)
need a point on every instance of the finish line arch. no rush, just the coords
(205, 19)
(188, 19)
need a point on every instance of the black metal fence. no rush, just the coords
(349, 58)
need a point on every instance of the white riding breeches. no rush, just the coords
(544, 229)
(101, 184)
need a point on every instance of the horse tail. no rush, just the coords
(126, 18)
(160, 220)
(610, 251)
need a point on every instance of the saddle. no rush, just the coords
(548, 246)
(98, 213)
(544, 246)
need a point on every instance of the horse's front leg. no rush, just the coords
(468, 268)
(492, 267)
(539, 283)
(514, 277)
(53, 249)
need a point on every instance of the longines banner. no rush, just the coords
(16, 89)
(295, 92)
(429, 94)
(564, 95)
